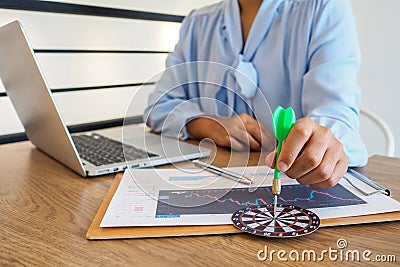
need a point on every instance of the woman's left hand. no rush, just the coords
(312, 155)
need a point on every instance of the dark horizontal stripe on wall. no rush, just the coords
(65, 8)
(92, 126)
(12, 138)
(72, 51)
(98, 87)
(60, 90)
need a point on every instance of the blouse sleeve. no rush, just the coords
(330, 92)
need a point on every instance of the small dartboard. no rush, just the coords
(290, 221)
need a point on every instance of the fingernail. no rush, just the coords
(282, 166)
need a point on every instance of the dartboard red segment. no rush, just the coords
(290, 221)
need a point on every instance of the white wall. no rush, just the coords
(378, 25)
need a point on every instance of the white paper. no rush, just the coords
(135, 202)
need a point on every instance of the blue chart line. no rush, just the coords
(227, 201)
(193, 178)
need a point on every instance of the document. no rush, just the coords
(170, 197)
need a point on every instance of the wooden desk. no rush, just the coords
(46, 209)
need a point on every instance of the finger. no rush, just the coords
(237, 145)
(242, 135)
(251, 141)
(244, 117)
(339, 172)
(270, 159)
(235, 135)
(268, 141)
(323, 172)
(260, 133)
(295, 141)
(254, 128)
(313, 154)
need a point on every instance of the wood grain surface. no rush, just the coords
(46, 209)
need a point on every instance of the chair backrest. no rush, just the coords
(376, 134)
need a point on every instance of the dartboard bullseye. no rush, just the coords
(290, 221)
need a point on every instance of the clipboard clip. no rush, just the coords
(378, 188)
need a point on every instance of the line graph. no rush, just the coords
(227, 201)
(193, 178)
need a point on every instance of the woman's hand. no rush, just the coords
(239, 132)
(312, 155)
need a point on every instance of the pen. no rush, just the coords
(368, 181)
(227, 173)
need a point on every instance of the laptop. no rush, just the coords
(89, 153)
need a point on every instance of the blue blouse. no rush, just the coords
(299, 53)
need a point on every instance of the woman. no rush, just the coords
(302, 54)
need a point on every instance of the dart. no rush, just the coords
(282, 121)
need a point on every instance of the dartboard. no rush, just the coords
(290, 221)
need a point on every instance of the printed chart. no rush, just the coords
(167, 197)
(180, 202)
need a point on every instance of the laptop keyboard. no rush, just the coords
(100, 150)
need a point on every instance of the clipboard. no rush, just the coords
(95, 232)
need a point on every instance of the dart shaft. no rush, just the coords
(276, 182)
(276, 190)
(277, 173)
